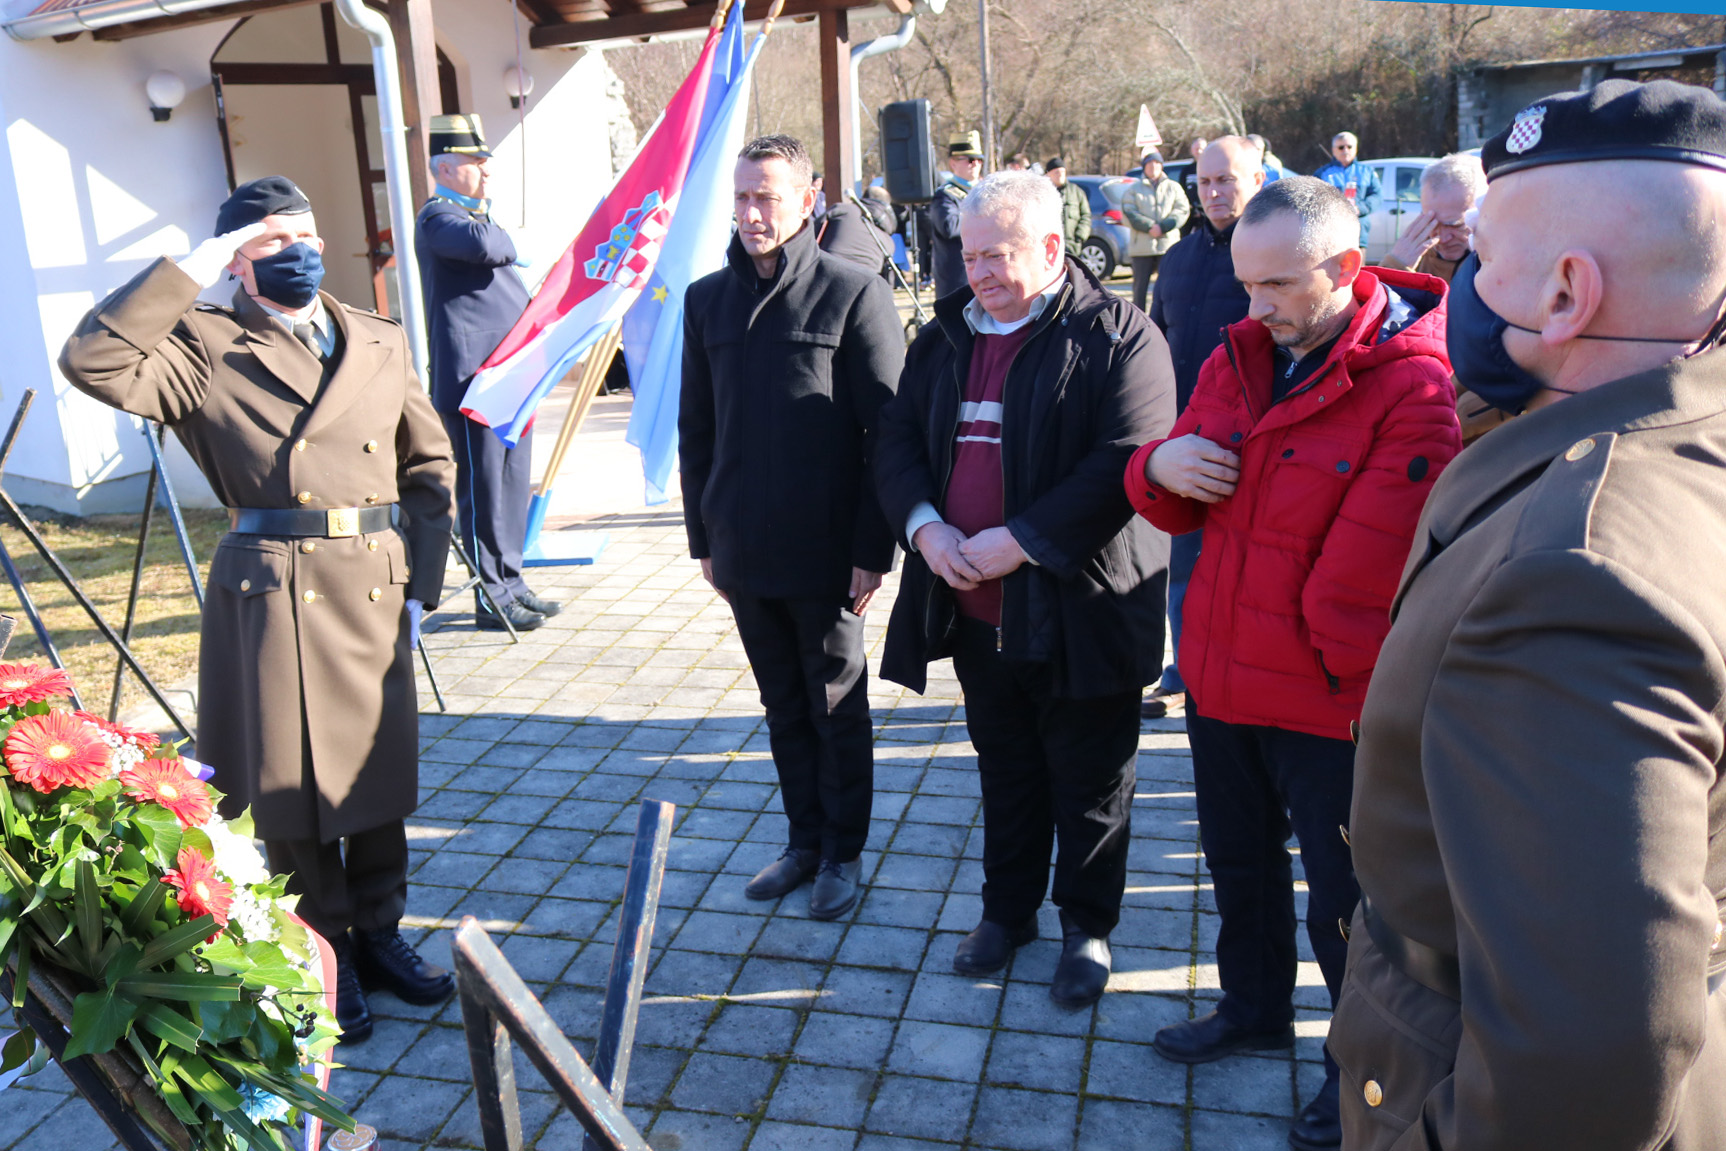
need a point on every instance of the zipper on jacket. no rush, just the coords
(1246, 394)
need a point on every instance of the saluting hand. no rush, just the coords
(1194, 467)
(939, 545)
(209, 259)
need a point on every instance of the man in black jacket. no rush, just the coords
(1027, 565)
(788, 355)
(1197, 297)
(473, 297)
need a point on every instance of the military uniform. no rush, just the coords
(1539, 819)
(948, 264)
(306, 702)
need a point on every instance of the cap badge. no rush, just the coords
(1525, 133)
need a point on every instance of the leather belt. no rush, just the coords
(328, 523)
(1427, 966)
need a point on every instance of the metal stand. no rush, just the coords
(887, 255)
(24, 525)
(473, 583)
(497, 1008)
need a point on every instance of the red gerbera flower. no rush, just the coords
(53, 750)
(22, 683)
(197, 888)
(143, 739)
(167, 782)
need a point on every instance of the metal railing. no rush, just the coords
(499, 1011)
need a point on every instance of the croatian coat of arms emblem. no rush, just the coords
(1525, 133)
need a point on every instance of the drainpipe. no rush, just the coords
(862, 52)
(102, 14)
(387, 80)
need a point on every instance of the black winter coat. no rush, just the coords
(781, 388)
(473, 294)
(1091, 383)
(1197, 296)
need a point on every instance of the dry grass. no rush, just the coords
(99, 551)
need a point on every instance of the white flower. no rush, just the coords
(253, 917)
(236, 858)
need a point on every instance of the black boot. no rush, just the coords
(1211, 1037)
(518, 614)
(384, 961)
(989, 947)
(532, 602)
(1083, 970)
(352, 1014)
(1319, 1125)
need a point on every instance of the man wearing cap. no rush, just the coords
(965, 165)
(1075, 206)
(1539, 820)
(473, 297)
(1155, 208)
(305, 416)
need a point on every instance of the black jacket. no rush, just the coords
(948, 265)
(1197, 296)
(473, 294)
(1091, 384)
(851, 235)
(781, 387)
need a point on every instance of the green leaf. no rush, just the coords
(268, 967)
(18, 1050)
(21, 973)
(197, 840)
(169, 1025)
(87, 905)
(224, 1022)
(206, 1081)
(171, 943)
(186, 985)
(165, 1083)
(99, 1019)
(144, 906)
(161, 830)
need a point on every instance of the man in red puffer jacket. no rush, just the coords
(1308, 448)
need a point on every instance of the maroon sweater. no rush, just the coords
(974, 500)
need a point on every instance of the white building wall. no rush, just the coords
(92, 189)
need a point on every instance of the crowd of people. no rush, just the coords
(1431, 540)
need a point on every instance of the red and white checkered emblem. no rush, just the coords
(1525, 133)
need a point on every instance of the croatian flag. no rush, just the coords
(601, 274)
(695, 246)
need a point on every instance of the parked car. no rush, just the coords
(1106, 250)
(1181, 172)
(1398, 204)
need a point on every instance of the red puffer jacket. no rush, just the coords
(1291, 597)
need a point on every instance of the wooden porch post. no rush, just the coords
(836, 101)
(416, 49)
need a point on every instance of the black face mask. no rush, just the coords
(1474, 335)
(291, 276)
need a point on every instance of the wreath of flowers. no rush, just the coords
(118, 876)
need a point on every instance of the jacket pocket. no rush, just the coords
(249, 570)
(397, 550)
(1394, 1043)
(806, 362)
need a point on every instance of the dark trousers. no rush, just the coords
(1053, 772)
(1255, 785)
(1144, 267)
(360, 881)
(807, 655)
(1183, 558)
(491, 495)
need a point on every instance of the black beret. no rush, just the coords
(1057, 162)
(270, 196)
(1614, 120)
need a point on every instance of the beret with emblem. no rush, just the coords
(1614, 120)
(255, 199)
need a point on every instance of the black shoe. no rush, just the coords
(990, 946)
(518, 614)
(1083, 971)
(836, 887)
(784, 874)
(384, 961)
(1160, 704)
(1319, 1126)
(1211, 1037)
(544, 607)
(352, 1014)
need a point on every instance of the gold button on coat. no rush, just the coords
(372, 499)
(304, 497)
(1373, 1092)
(371, 445)
(371, 545)
(300, 445)
(1579, 449)
(245, 585)
(377, 593)
(308, 547)
(309, 596)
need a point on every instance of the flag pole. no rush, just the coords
(772, 15)
(593, 370)
(719, 11)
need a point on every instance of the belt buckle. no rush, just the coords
(341, 522)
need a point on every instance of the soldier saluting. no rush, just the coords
(306, 417)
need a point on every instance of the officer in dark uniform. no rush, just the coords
(473, 297)
(1539, 820)
(965, 162)
(307, 419)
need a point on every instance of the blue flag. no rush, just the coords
(694, 246)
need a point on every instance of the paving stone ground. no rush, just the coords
(764, 1029)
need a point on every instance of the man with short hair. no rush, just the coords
(1155, 208)
(964, 166)
(1304, 456)
(788, 355)
(1075, 206)
(1018, 162)
(1357, 181)
(1274, 169)
(1197, 297)
(473, 297)
(307, 420)
(998, 464)
(1539, 821)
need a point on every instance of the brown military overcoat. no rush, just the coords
(1539, 794)
(306, 706)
